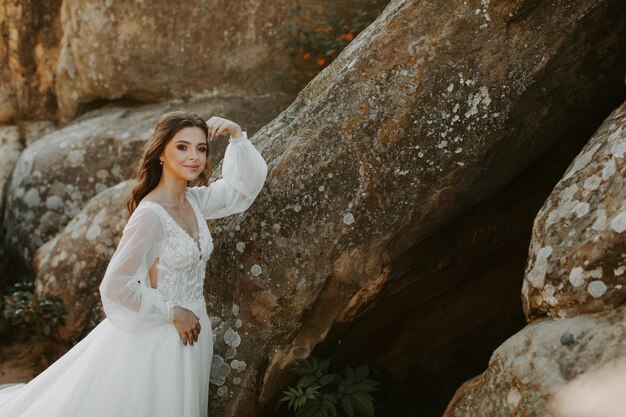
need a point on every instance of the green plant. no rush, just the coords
(321, 36)
(318, 392)
(20, 307)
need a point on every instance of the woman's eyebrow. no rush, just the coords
(184, 141)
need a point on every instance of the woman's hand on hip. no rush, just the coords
(187, 324)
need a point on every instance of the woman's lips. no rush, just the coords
(192, 167)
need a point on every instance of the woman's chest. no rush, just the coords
(180, 251)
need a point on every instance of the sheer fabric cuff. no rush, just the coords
(169, 305)
(239, 139)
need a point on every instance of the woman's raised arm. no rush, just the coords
(129, 301)
(243, 174)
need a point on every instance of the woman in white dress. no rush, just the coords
(151, 355)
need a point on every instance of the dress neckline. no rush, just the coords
(193, 207)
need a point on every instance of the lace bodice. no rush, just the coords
(182, 263)
(128, 298)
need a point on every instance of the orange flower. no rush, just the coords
(306, 56)
(348, 36)
(26, 319)
(321, 61)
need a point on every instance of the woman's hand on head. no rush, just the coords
(187, 324)
(218, 125)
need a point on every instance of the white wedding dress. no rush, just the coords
(134, 363)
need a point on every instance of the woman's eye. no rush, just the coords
(202, 149)
(182, 147)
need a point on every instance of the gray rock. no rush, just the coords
(577, 261)
(531, 367)
(427, 112)
(71, 265)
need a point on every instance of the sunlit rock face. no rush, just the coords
(527, 371)
(71, 265)
(427, 113)
(59, 59)
(146, 51)
(58, 174)
(31, 34)
(577, 258)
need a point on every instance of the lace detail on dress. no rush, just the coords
(182, 264)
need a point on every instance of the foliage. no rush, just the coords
(319, 393)
(40, 314)
(322, 36)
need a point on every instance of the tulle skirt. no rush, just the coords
(111, 373)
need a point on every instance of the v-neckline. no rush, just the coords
(197, 244)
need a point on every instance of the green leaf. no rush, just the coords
(347, 405)
(328, 402)
(362, 372)
(363, 403)
(306, 380)
(327, 379)
(323, 366)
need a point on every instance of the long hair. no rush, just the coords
(149, 169)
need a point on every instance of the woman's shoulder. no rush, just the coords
(146, 211)
(196, 192)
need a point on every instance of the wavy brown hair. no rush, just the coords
(149, 169)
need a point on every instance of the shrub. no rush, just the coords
(40, 315)
(319, 393)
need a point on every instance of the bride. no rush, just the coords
(151, 355)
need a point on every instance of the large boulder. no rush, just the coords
(150, 50)
(58, 174)
(10, 148)
(577, 258)
(31, 33)
(527, 371)
(71, 265)
(428, 112)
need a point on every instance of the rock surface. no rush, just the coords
(426, 113)
(532, 366)
(149, 51)
(10, 148)
(577, 258)
(31, 33)
(72, 264)
(56, 175)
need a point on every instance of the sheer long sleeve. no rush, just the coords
(243, 174)
(128, 300)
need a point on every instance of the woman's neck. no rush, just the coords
(172, 190)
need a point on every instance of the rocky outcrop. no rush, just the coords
(426, 113)
(72, 264)
(151, 51)
(73, 56)
(57, 175)
(575, 267)
(577, 258)
(532, 366)
(31, 34)
(10, 148)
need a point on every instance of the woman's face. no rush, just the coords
(185, 155)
